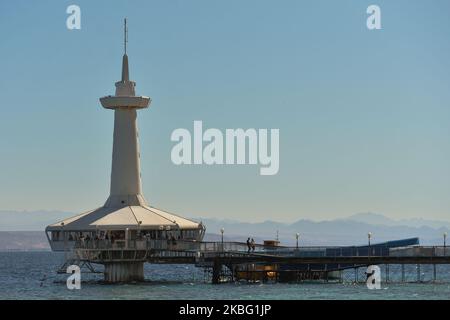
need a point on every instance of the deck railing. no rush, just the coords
(242, 247)
(175, 245)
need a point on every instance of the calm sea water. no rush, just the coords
(31, 275)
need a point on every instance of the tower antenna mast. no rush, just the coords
(125, 35)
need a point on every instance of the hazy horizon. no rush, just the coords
(365, 216)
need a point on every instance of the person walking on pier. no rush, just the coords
(252, 243)
(249, 245)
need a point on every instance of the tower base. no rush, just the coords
(116, 272)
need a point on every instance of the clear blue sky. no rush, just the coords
(364, 116)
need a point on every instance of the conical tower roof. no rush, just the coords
(131, 217)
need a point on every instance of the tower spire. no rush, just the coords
(125, 36)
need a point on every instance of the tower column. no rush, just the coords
(126, 184)
(117, 272)
(125, 172)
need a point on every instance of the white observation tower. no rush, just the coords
(126, 215)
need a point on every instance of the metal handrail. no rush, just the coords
(242, 247)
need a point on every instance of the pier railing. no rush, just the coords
(210, 247)
(184, 245)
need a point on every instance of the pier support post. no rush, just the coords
(217, 268)
(418, 273)
(387, 273)
(434, 272)
(116, 272)
(403, 273)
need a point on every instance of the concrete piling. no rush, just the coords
(116, 272)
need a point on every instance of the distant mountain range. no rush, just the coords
(30, 220)
(379, 219)
(23, 241)
(349, 231)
